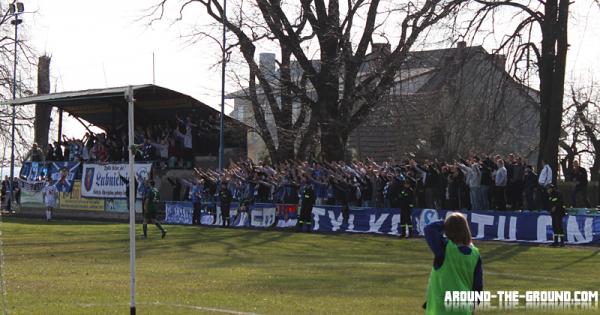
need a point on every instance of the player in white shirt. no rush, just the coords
(50, 195)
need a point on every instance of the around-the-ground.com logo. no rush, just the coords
(506, 300)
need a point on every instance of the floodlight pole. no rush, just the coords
(223, 62)
(132, 196)
(16, 9)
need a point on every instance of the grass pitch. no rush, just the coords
(67, 267)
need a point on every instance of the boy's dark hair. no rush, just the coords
(457, 229)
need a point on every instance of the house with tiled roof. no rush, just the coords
(444, 103)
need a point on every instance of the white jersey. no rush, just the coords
(50, 195)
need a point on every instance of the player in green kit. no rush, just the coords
(152, 198)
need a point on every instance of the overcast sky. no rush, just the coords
(96, 44)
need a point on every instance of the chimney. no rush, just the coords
(500, 60)
(384, 48)
(41, 123)
(267, 65)
(460, 51)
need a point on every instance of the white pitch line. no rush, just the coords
(202, 308)
(518, 276)
(193, 307)
(2, 284)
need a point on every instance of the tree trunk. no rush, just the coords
(42, 111)
(285, 149)
(333, 143)
(552, 66)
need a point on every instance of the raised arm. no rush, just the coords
(434, 234)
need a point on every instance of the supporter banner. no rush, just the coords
(32, 199)
(487, 225)
(120, 205)
(263, 215)
(177, 212)
(74, 201)
(287, 215)
(64, 175)
(33, 171)
(259, 215)
(32, 176)
(533, 227)
(103, 181)
(181, 212)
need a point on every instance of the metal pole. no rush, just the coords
(14, 96)
(132, 196)
(153, 70)
(221, 131)
(60, 122)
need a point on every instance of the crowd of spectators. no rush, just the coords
(170, 144)
(477, 183)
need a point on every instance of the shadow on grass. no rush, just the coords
(38, 222)
(582, 259)
(503, 252)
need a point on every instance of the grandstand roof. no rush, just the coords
(105, 107)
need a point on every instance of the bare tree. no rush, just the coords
(585, 105)
(26, 62)
(341, 87)
(548, 21)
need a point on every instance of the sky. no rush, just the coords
(96, 44)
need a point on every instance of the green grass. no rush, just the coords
(66, 267)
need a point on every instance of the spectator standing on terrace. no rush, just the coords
(487, 183)
(188, 153)
(454, 188)
(162, 146)
(544, 180)
(457, 264)
(50, 153)
(517, 179)
(509, 192)
(35, 154)
(148, 150)
(473, 179)
(531, 183)
(74, 147)
(58, 153)
(581, 184)
(500, 180)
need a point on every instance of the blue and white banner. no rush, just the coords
(63, 174)
(104, 181)
(32, 177)
(260, 215)
(533, 227)
(177, 212)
